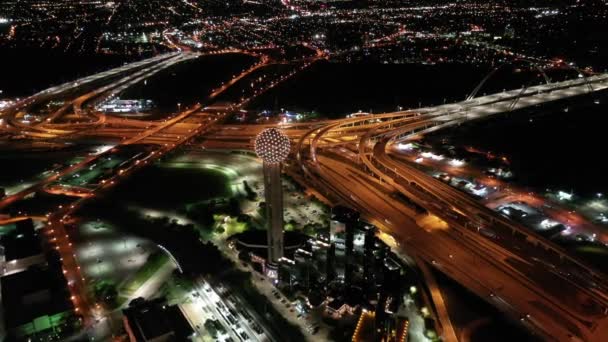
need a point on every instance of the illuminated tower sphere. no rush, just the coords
(273, 147)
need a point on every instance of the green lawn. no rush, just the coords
(88, 174)
(169, 188)
(596, 256)
(153, 264)
(4, 229)
(230, 225)
(29, 165)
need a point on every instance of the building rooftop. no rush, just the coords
(33, 293)
(20, 244)
(344, 214)
(391, 264)
(152, 319)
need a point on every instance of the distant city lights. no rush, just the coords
(564, 196)
(457, 162)
(430, 155)
(405, 147)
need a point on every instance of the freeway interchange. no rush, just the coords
(346, 161)
(140, 144)
(524, 275)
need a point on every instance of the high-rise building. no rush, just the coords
(323, 256)
(369, 259)
(304, 265)
(342, 226)
(273, 147)
(509, 31)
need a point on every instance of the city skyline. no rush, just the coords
(294, 170)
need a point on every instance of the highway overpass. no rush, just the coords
(528, 277)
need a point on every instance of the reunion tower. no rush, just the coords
(272, 147)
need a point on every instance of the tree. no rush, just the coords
(234, 207)
(262, 209)
(251, 195)
(106, 292)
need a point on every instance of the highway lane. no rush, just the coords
(135, 139)
(448, 331)
(337, 176)
(571, 300)
(479, 213)
(56, 231)
(119, 85)
(48, 128)
(580, 311)
(461, 202)
(89, 160)
(422, 123)
(167, 135)
(153, 131)
(443, 250)
(54, 91)
(48, 124)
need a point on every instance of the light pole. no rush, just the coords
(273, 147)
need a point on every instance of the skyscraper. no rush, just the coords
(343, 223)
(273, 147)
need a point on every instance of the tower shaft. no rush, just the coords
(273, 193)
